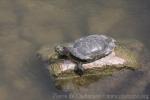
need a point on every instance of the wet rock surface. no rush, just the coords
(127, 55)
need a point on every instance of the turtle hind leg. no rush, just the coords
(79, 69)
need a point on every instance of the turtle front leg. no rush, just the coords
(79, 69)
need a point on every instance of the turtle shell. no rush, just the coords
(92, 47)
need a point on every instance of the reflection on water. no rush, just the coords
(26, 25)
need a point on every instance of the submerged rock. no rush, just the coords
(126, 55)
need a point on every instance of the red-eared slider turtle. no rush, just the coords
(87, 49)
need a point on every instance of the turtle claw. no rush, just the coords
(79, 70)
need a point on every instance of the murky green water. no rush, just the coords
(26, 25)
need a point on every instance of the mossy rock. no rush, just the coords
(130, 50)
(90, 76)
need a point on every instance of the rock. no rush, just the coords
(127, 54)
(65, 65)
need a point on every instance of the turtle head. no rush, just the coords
(61, 50)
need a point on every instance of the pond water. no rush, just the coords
(26, 25)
